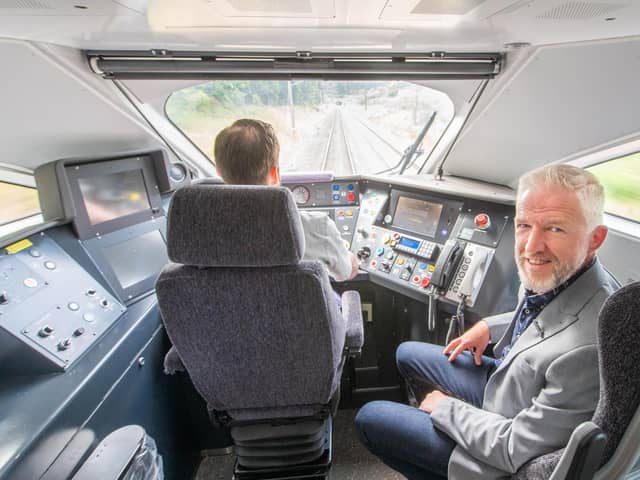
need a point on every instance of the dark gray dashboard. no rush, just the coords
(401, 234)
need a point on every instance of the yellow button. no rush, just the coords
(349, 213)
(393, 243)
(400, 261)
(432, 268)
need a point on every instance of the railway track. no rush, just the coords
(338, 156)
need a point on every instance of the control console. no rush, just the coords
(337, 199)
(51, 309)
(428, 244)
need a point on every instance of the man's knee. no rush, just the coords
(364, 421)
(409, 354)
(374, 422)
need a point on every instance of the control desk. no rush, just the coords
(423, 244)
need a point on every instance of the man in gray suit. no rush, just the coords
(481, 417)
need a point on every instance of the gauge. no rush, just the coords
(177, 172)
(301, 194)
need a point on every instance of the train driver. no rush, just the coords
(246, 153)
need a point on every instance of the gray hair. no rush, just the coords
(586, 186)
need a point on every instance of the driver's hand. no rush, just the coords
(475, 340)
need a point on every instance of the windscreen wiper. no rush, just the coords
(407, 157)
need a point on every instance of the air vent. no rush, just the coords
(445, 7)
(580, 11)
(25, 4)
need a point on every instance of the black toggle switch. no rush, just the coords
(45, 331)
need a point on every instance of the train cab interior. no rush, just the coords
(406, 122)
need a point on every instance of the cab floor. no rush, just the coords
(351, 461)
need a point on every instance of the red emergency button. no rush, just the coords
(482, 221)
(351, 197)
(425, 282)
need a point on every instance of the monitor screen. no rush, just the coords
(113, 196)
(138, 258)
(417, 216)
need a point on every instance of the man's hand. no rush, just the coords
(475, 340)
(432, 400)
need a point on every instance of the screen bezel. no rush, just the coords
(405, 227)
(450, 211)
(96, 247)
(81, 222)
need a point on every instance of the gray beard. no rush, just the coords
(561, 273)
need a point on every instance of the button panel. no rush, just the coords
(52, 308)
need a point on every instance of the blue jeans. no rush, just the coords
(403, 436)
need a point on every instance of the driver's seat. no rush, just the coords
(258, 330)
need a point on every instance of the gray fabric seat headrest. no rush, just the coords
(234, 226)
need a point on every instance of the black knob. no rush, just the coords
(45, 331)
(64, 344)
(363, 232)
(363, 253)
(78, 331)
(3, 298)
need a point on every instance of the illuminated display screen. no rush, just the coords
(417, 216)
(410, 243)
(114, 196)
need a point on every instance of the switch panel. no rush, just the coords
(51, 309)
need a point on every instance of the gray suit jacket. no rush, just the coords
(544, 388)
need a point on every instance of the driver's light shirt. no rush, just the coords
(323, 242)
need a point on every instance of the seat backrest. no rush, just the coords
(258, 331)
(619, 357)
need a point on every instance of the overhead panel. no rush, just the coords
(430, 11)
(256, 9)
(445, 7)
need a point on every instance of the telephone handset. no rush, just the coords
(447, 264)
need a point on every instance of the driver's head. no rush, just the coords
(558, 224)
(246, 153)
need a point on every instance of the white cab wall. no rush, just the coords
(556, 104)
(54, 107)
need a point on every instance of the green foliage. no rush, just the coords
(621, 181)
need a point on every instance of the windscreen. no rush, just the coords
(417, 216)
(113, 196)
(346, 127)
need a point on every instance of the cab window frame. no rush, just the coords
(23, 178)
